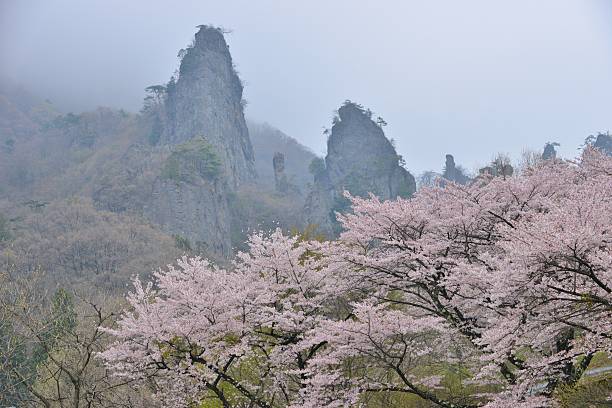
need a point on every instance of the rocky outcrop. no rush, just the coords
(603, 142)
(202, 124)
(280, 178)
(360, 160)
(206, 101)
(550, 152)
(195, 211)
(454, 173)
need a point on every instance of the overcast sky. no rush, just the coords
(464, 77)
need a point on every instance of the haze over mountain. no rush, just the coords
(499, 78)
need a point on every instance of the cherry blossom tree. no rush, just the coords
(508, 279)
(207, 333)
(520, 267)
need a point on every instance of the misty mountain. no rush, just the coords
(266, 141)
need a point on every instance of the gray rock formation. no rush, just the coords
(603, 142)
(454, 173)
(211, 156)
(280, 178)
(206, 101)
(361, 160)
(196, 211)
(549, 152)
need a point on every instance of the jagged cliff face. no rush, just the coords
(361, 160)
(190, 198)
(196, 212)
(206, 101)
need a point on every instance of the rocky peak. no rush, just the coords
(205, 141)
(361, 160)
(550, 152)
(603, 142)
(280, 178)
(206, 101)
(210, 38)
(450, 162)
(452, 172)
(357, 147)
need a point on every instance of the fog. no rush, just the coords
(469, 78)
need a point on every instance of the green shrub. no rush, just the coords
(194, 158)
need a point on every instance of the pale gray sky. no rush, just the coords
(468, 77)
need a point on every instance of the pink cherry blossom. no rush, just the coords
(508, 279)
